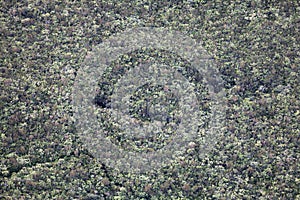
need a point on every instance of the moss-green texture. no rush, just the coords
(256, 46)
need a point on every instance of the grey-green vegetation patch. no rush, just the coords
(124, 81)
(256, 47)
